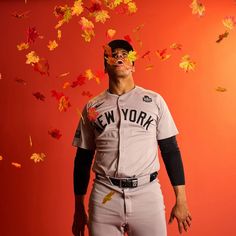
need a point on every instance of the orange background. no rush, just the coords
(37, 199)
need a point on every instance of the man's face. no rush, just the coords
(119, 65)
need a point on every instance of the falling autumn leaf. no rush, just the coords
(32, 35)
(187, 64)
(20, 15)
(37, 157)
(197, 8)
(59, 33)
(17, 165)
(132, 8)
(77, 9)
(52, 45)
(92, 114)
(176, 46)
(132, 56)
(147, 53)
(79, 81)
(110, 33)
(39, 96)
(22, 46)
(162, 54)
(55, 133)
(32, 58)
(63, 104)
(221, 89)
(101, 16)
(108, 197)
(90, 75)
(229, 22)
(30, 141)
(66, 85)
(42, 66)
(222, 36)
(56, 94)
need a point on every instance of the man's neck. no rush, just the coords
(121, 86)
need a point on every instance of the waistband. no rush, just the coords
(128, 182)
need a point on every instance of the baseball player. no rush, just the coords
(120, 132)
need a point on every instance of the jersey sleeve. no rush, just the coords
(84, 135)
(165, 125)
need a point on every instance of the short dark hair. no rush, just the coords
(118, 43)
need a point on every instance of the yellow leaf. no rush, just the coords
(17, 165)
(108, 197)
(87, 35)
(132, 7)
(89, 74)
(37, 157)
(77, 9)
(60, 23)
(52, 45)
(117, 2)
(132, 56)
(197, 8)
(186, 64)
(101, 16)
(59, 34)
(22, 46)
(32, 58)
(229, 22)
(111, 33)
(86, 24)
(63, 104)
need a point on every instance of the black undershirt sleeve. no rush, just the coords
(82, 165)
(172, 159)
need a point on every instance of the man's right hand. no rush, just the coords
(80, 220)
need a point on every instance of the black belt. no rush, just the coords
(128, 182)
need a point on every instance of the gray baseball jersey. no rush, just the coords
(124, 131)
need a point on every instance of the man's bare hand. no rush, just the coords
(181, 213)
(80, 220)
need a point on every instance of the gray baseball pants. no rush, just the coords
(135, 211)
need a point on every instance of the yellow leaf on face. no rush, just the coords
(17, 165)
(1, 158)
(59, 34)
(52, 45)
(77, 9)
(108, 197)
(111, 33)
(229, 22)
(186, 64)
(32, 58)
(132, 7)
(221, 89)
(197, 8)
(66, 85)
(101, 16)
(22, 46)
(132, 56)
(37, 157)
(30, 141)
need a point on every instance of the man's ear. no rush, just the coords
(133, 69)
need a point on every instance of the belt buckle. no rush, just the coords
(128, 183)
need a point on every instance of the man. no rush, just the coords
(122, 128)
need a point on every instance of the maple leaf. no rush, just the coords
(92, 114)
(20, 15)
(55, 133)
(132, 56)
(39, 96)
(108, 197)
(17, 165)
(22, 46)
(197, 8)
(222, 36)
(52, 45)
(86, 24)
(110, 33)
(117, 2)
(20, 81)
(90, 75)
(30, 141)
(59, 34)
(42, 66)
(32, 35)
(63, 104)
(66, 85)
(37, 157)
(56, 94)
(77, 9)
(87, 93)
(176, 46)
(229, 22)
(96, 6)
(88, 35)
(101, 16)
(79, 81)
(186, 64)
(132, 8)
(32, 58)
(221, 89)
(162, 54)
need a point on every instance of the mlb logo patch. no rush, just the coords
(147, 99)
